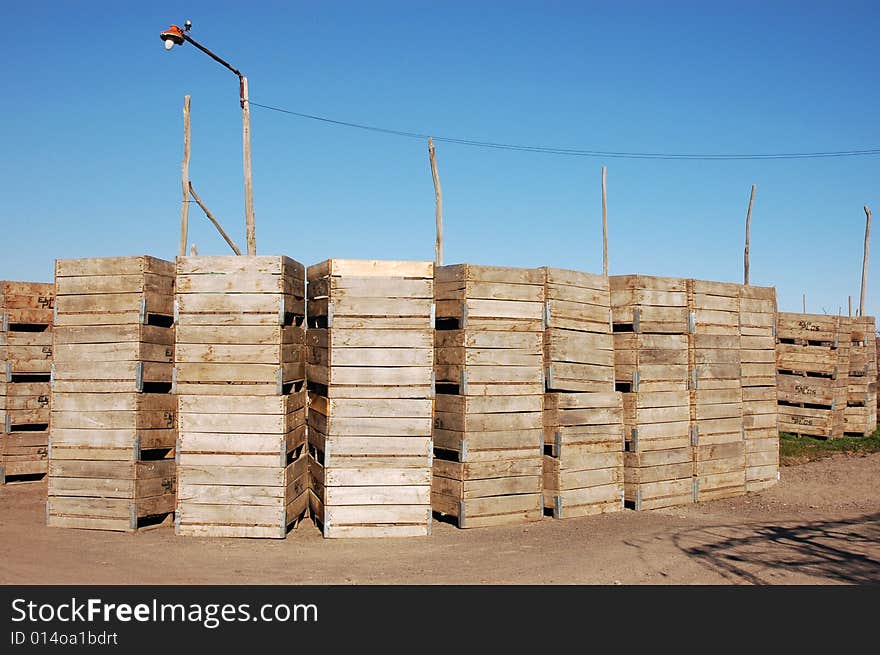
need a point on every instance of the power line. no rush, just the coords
(576, 152)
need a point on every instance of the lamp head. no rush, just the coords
(172, 36)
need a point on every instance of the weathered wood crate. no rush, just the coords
(26, 311)
(647, 304)
(488, 423)
(860, 416)
(812, 362)
(578, 346)
(114, 418)
(239, 378)
(583, 453)
(716, 398)
(370, 369)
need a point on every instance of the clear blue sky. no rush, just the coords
(92, 126)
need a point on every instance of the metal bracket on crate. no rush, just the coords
(638, 503)
(463, 382)
(326, 463)
(635, 384)
(430, 453)
(695, 435)
(622, 499)
(464, 314)
(139, 376)
(52, 377)
(611, 320)
(176, 311)
(548, 378)
(460, 513)
(430, 522)
(557, 506)
(836, 340)
(546, 316)
(177, 452)
(8, 372)
(558, 444)
(433, 315)
(634, 434)
(4, 327)
(283, 453)
(692, 322)
(8, 424)
(136, 449)
(177, 522)
(281, 310)
(329, 314)
(462, 455)
(142, 314)
(49, 446)
(637, 320)
(325, 532)
(174, 379)
(775, 330)
(696, 489)
(133, 516)
(743, 432)
(279, 383)
(694, 379)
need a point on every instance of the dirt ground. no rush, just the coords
(819, 525)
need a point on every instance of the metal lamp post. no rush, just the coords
(173, 36)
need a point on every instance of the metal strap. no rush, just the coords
(637, 320)
(5, 323)
(636, 379)
(464, 314)
(142, 315)
(329, 314)
(176, 311)
(692, 322)
(463, 382)
(139, 376)
(546, 314)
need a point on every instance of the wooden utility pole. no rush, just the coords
(748, 238)
(438, 205)
(865, 260)
(214, 220)
(248, 180)
(604, 225)
(805, 303)
(184, 180)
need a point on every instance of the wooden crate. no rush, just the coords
(114, 418)
(239, 378)
(370, 362)
(860, 416)
(583, 453)
(761, 423)
(657, 478)
(488, 425)
(652, 305)
(650, 362)
(578, 346)
(26, 311)
(758, 336)
(812, 362)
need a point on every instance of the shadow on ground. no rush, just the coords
(843, 551)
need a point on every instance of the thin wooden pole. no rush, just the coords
(248, 180)
(213, 220)
(604, 225)
(849, 302)
(865, 261)
(805, 303)
(438, 204)
(748, 238)
(184, 180)
(193, 250)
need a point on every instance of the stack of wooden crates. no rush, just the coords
(583, 414)
(114, 419)
(812, 362)
(716, 390)
(760, 411)
(488, 419)
(239, 376)
(861, 404)
(25, 367)
(650, 316)
(370, 358)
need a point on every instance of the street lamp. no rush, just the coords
(173, 36)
